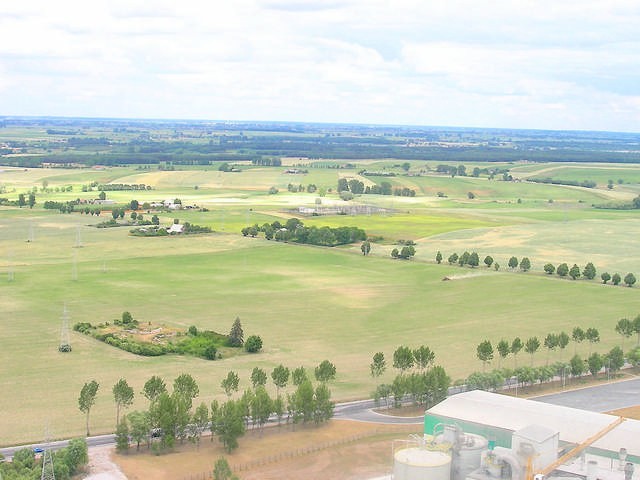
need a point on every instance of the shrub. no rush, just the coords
(253, 344)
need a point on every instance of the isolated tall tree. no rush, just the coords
(200, 420)
(403, 358)
(298, 375)
(453, 258)
(562, 270)
(423, 357)
(261, 407)
(474, 260)
(153, 388)
(258, 377)
(563, 341)
(593, 336)
(122, 395)
(525, 264)
(438, 257)
(484, 352)
(616, 278)
(577, 336)
(365, 247)
(595, 363)
(186, 388)
(87, 399)
(516, 347)
(531, 346)
(280, 377)
(229, 424)
(550, 343)
(325, 371)
(605, 277)
(379, 364)
(574, 272)
(488, 260)
(615, 359)
(236, 335)
(624, 328)
(576, 365)
(503, 349)
(549, 268)
(629, 279)
(230, 383)
(513, 262)
(589, 271)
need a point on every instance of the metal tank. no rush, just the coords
(467, 455)
(416, 463)
(466, 449)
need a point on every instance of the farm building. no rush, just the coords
(487, 436)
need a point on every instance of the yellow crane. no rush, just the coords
(576, 450)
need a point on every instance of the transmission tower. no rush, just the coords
(47, 465)
(78, 238)
(74, 267)
(47, 460)
(31, 237)
(65, 343)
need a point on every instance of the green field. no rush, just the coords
(307, 303)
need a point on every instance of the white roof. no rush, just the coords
(175, 228)
(510, 413)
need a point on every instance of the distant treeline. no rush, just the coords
(558, 181)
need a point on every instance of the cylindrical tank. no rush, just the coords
(467, 455)
(415, 463)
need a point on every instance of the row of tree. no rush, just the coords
(499, 378)
(426, 385)
(485, 351)
(170, 415)
(589, 271)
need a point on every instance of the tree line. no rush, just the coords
(562, 270)
(295, 231)
(613, 360)
(420, 380)
(172, 416)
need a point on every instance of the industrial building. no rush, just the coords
(486, 436)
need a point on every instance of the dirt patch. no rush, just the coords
(338, 450)
(629, 412)
(101, 466)
(465, 275)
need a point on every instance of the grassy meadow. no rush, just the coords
(307, 303)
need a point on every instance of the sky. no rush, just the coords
(560, 65)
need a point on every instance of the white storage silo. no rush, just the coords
(415, 463)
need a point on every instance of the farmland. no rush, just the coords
(307, 303)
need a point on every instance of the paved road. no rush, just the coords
(602, 398)
(360, 410)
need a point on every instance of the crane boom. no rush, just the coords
(579, 448)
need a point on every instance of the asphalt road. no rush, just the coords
(360, 410)
(602, 398)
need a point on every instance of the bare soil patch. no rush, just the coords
(340, 450)
(629, 412)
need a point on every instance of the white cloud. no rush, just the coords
(531, 63)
